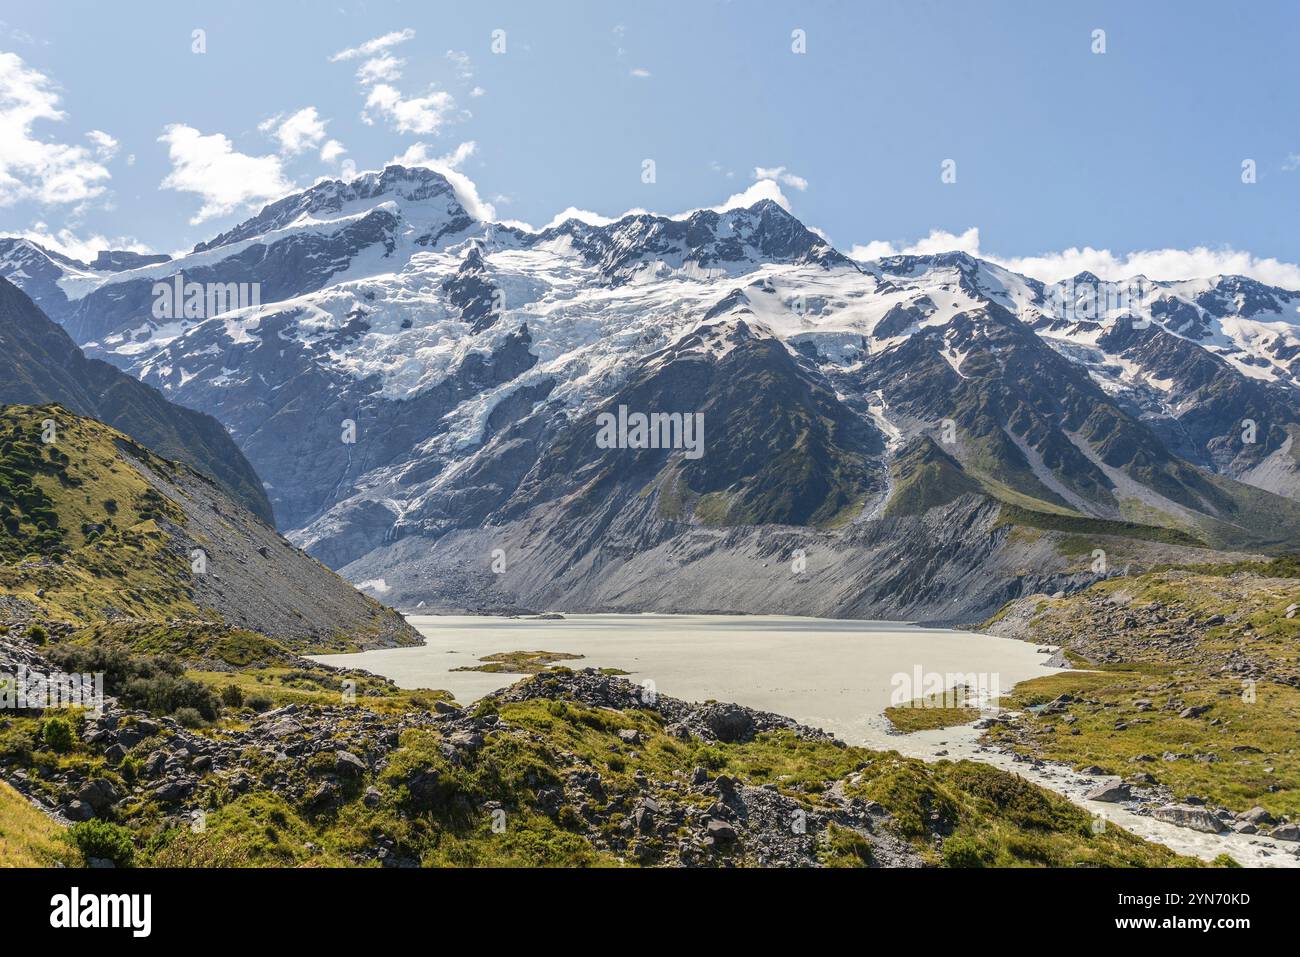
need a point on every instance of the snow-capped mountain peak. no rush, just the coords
(419, 194)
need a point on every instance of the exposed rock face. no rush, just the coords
(472, 292)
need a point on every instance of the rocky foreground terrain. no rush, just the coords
(562, 768)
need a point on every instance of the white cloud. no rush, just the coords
(1160, 264)
(420, 115)
(582, 215)
(331, 151)
(37, 169)
(938, 241)
(83, 248)
(417, 154)
(477, 91)
(1196, 263)
(461, 61)
(761, 190)
(301, 131)
(377, 45)
(105, 145)
(781, 175)
(641, 73)
(379, 69)
(225, 180)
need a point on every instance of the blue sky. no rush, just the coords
(1135, 151)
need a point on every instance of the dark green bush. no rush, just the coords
(103, 839)
(57, 735)
(188, 718)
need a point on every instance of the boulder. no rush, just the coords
(348, 765)
(99, 794)
(1285, 832)
(1111, 790)
(728, 722)
(1257, 816)
(173, 790)
(424, 787)
(78, 811)
(644, 816)
(1189, 816)
(719, 832)
(466, 740)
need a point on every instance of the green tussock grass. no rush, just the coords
(29, 838)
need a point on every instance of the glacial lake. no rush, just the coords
(831, 674)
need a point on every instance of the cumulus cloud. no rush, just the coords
(331, 151)
(380, 69)
(377, 45)
(105, 145)
(298, 132)
(939, 241)
(1159, 264)
(224, 179)
(641, 73)
(461, 61)
(1195, 263)
(38, 169)
(82, 248)
(780, 175)
(421, 115)
(582, 215)
(758, 191)
(419, 154)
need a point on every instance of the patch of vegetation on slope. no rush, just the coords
(29, 838)
(925, 477)
(1086, 525)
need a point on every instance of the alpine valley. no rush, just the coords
(915, 437)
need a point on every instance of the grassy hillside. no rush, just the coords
(1192, 680)
(29, 838)
(94, 527)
